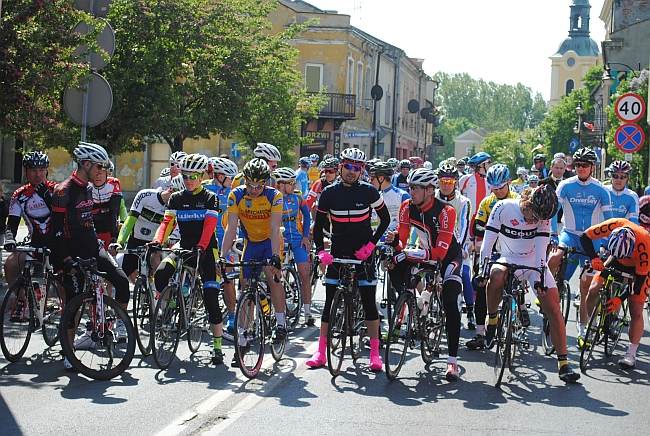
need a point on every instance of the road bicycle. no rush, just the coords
(292, 287)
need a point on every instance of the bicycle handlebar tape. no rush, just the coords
(209, 224)
(166, 226)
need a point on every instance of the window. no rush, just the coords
(313, 77)
(569, 87)
(359, 83)
(350, 83)
(571, 62)
(369, 83)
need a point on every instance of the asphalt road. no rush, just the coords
(193, 397)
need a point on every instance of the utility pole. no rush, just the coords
(373, 151)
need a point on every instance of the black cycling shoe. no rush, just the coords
(476, 343)
(217, 357)
(567, 375)
(310, 322)
(279, 334)
(490, 332)
(471, 321)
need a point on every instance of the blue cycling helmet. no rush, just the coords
(479, 158)
(304, 161)
(498, 175)
(621, 242)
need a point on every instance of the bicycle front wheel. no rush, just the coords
(17, 323)
(502, 341)
(142, 315)
(616, 322)
(433, 329)
(92, 348)
(593, 335)
(249, 334)
(52, 314)
(565, 300)
(400, 333)
(197, 321)
(166, 322)
(547, 342)
(337, 333)
(293, 295)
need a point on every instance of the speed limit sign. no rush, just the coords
(630, 107)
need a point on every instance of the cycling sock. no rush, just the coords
(480, 330)
(216, 342)
(279, 317)
(493, 318)
(631, 350)
(562, 360)
(307, 308)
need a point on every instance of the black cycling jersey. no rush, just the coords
(190, 209)
(349, 210)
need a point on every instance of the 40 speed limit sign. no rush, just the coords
(630, 107)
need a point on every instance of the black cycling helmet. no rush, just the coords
(539, 158)
(585, 154)
(329, 163)
(405, 163)
(36, 159)
(257, 170)
(544, 202)
(381, 169)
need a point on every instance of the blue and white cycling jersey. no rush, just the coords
(583, 203)
(302, 181)
(393, 199)
(625, 204)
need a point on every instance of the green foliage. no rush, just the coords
(450, 128)
(511, 147)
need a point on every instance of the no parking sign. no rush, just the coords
(629, 138)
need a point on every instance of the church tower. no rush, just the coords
(576, 54)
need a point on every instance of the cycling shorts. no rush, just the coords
(568, 240)
(256, 251)
(526, 274)
(300, 255)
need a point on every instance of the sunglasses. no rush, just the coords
(414, 187)
(353, 167)
(283, 182)
(192, 176)
(101, 166)
(582, 165)
(253, 187)
(619, 177)
(449, 181)
(330, 171)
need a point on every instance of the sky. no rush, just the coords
(505, 41)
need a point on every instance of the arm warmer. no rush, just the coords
(209, 224)
(166, 227)
(127, 228)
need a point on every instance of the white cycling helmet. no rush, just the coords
(194, 163)
(284, 174)
(177, 183)
(422, 177)
(165, 172)
(176, 157)
(92, 152)
(427, 165)
(353, 154)
(267, 152)
(225, 166)
(621, 242)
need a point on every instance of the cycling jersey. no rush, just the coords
(518, 185)
(106, 209)
(484, 210)
(315, 191)
(348, 208)
(583, 203)
(295, 218)
(162, 183)
(302, 180)
(393, 199)
(222, 195)
(313, 173)
(475, 187)
(463, 209)
(255, 212)
(399, 180)
(27, 204)
(625, 204)
(145, 216)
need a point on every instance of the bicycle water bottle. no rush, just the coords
(426, 299)
(185, 288)
(264, 302)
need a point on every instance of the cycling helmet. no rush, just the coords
(405, 163)
(313, 157)
(533, 178)
(479, 158)
(462, 161)
(327, 156)
(392, 162)
(521, 171)
(330, 163)
(164, 172)
(304, 161)
(644, 210)
(353, 154)
(539, 158)
(177, 183)
(91, 152)
(176, 157)
(621, 242)
(381, 169)
(585, 154)
(36, 159)
(428, 165)
(498, 175)
(421, 177)
(544, 202)
(267, 151)
(257, 170)
(620, 166)
(226, 167)
(416, 161)
(435, 181)
(194, 163)
(447, 170)
(284, 174)
(111, 167)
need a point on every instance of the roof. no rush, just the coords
(582, 45)
(302, 6)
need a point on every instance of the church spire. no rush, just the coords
(579, 22)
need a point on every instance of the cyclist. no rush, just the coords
(625, 202)
(474, 186)
(107, 198)
(267, 152)
(519, 184)
(498, 178)
(522, 229)
(302, 176)
(461, 166)
(296, 220)
(448, 193)
(31, 202)
(258, 208)
(195, 211)
(533, 181)
(628, 245)
(329, 173)
(380, 178)
(539, 162)
(393, 163)
(348, 204)
(584, 202)
(74, 233)
(399, 179)
(165, 180)
(314, 171)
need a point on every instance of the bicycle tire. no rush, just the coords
(277, 350)
(166, 322)
(142, 316)
(249, 330)
(52, 313)
(314, 276)
(547, 342)
(434, 328)
(293, 295)
(592, 335)
(196, 325)
(14, 340)
(566, 301)
(80, 359)
(502, 341)
(400, 335)
(614, 328)
(337, 333)
(357, 329)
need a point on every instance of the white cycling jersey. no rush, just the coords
(149, 209)
(393, 199)
(162, 183)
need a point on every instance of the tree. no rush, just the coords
(450, 128)
(511, 147)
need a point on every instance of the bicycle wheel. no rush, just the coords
(142, 314)
(502, 341)
(400, 335)
(358, 330)
(166, 322)
(18, 321)
(593, 335)
(547, 342)
(52, 314)
(249, 334)
(315, 275)
(293, 295)
(337, 333)
(197, 322)
(614, 328)
(565, 300)
(277, 350)
(434, 328)
(90, 347)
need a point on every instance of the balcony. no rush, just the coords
(339, 106)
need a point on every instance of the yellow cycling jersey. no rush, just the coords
(486, 206)
(313, 173)
(255, 212)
